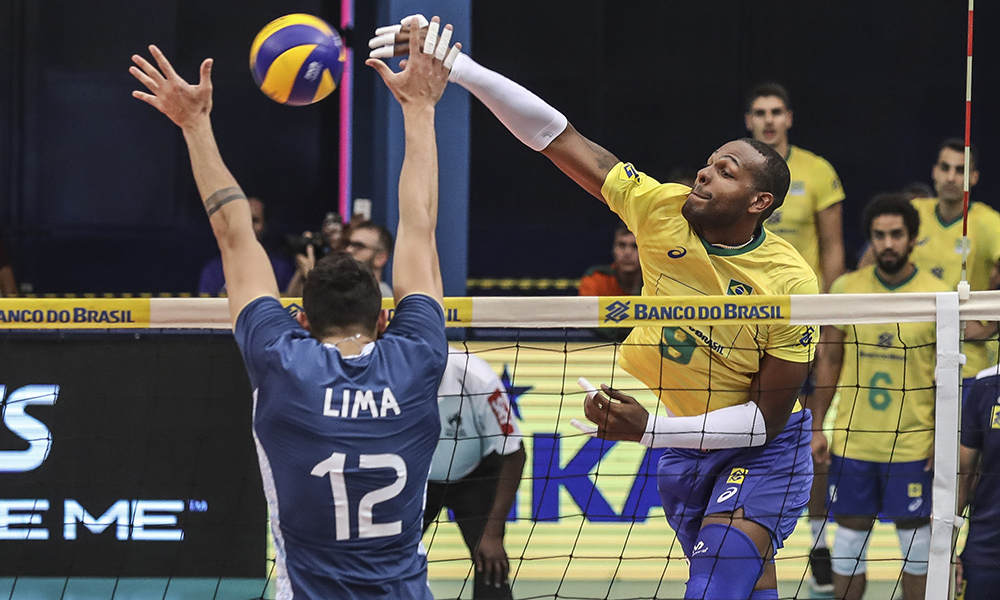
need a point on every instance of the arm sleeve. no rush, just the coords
(419, 319)
(794, 343)
(260, 325)
(633, 196)
(829, 191)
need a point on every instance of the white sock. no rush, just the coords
(818, 527)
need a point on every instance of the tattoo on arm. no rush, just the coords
(222, 197)
(605, 160)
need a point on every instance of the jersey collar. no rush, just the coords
(937, 214)
(893, 288)
(716, 251)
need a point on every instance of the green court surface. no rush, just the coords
(52, 588)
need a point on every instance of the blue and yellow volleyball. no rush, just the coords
(297, 59)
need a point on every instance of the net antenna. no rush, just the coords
(963, 285)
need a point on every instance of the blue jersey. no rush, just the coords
(345, 447)
(981, 431)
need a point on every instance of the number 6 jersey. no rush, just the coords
(345, 446)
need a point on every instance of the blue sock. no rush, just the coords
(725, 565)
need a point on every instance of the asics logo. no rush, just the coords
(726, 495)
(678, 252)
(701, 548)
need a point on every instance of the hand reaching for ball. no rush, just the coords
(184, 104)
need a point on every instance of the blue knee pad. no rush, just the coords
(725, 564)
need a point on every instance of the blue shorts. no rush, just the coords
(770, 483)
(888, 490)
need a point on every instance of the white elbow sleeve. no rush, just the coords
(528, 117)
(739, 426)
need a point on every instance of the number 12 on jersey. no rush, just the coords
(334, 467)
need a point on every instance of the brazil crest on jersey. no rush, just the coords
(345, 445)
(814, 187)
(683, 363)
(937, 252)
(886, 411)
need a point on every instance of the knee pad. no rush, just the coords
(725, 563)
(850, 547)
(916, 547)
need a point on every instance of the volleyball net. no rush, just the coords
(126, 452)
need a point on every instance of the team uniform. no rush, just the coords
(477, 429)
(884, 426)
(344, 445)
(981, 431)
(814, 187)
(696, 369)
(937, 252)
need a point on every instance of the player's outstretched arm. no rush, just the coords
(247, 269)
(775, 388)
(417, 88)
(533, 121)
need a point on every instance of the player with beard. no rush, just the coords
(880, 456)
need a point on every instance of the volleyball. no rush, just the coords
(297, 59)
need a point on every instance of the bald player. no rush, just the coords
(731, 512)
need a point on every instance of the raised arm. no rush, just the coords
(533, 121)
(247, 269)
(418, 87)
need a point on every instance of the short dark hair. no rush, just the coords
(773, 177)
(341, 292)
(891, 203)
(384, 237)
(621, 230)
(763, 90)
(958, 145)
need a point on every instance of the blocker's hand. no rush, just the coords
(618, 416)
(425, 74)
(183, 103)
(491, 560)
(394, 40)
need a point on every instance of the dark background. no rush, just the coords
(95, 187)
(138, 416)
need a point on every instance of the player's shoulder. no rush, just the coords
(925, 281)
(626, 177)
(993, 371)
(855, 281)
(924, 205)
(982, 210)
(776, 250)
(807, 159)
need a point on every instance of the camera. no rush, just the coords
(300, 242)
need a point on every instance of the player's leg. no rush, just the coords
(471, 500)
(855, 494)
(907, 501)
(435, 501)
(754, 506)
(817, 510)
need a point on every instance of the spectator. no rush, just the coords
(312, 245)
(880, 458)
(213, 280)
(621, 278)
(477, 466)
(371, 244)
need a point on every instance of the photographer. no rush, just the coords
(366, 241)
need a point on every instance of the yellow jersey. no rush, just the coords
(698, 368)
(886, 410)
(937, 251)
(814, 187)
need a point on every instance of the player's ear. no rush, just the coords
(383, 322)
(302, 320)
(973, 177)
(789, 111)
(746, 121)
(761, 202)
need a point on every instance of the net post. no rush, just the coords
(946, 424)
